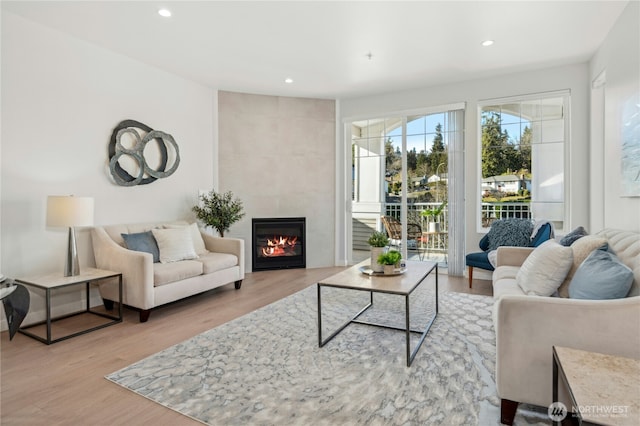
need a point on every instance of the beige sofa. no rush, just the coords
(528, 326)
(146, 284)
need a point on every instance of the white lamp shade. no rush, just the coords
(68, 211)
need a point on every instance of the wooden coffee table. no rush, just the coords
(401, 285)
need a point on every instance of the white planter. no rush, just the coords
(434, 226)
(375, 252)
(389, 269)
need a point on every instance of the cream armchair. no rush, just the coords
(528, 326)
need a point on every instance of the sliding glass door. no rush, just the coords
(401, 183)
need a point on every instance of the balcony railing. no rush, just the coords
(490, 212)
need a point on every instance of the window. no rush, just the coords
(404, 167)
(522, 165)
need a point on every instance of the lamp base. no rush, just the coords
(72, 265)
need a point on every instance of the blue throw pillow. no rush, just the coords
(143, 241)
(601, 276)
(510, 232)
(573, 236)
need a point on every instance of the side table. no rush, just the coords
(604, 389)
(50, 282)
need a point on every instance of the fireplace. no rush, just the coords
(278, 243)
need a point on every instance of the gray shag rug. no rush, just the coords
(266, 368)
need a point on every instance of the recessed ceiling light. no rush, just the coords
(164, 12)
(487, 43)
(288, 80)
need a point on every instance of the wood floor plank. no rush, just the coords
(64, 384)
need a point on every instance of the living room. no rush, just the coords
(63, 95)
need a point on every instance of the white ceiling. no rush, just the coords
(323, 45)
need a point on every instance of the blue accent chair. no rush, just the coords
(481, 259)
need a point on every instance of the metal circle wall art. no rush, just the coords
(141, 135)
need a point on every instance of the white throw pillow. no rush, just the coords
(544, 270)
(174, 244)
(196, 237)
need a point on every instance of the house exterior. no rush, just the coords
(506, 183)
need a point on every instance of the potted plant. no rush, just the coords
(219, 211)
(389, 259)
(378, 241)
(433, 216)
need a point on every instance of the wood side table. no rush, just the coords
(604, 389)
(56, 281)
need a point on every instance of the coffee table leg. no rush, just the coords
(319, 318)
(408, 332)
(322, 342)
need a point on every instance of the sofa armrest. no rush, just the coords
(512, 256)
(136, 268)
(528, 326)
(226, 245)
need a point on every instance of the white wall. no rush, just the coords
(572, 77)
(61, 99)
(277, 154)
(619, 58)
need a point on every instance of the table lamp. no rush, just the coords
(70, 211)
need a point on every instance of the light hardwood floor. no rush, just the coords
(64, 384)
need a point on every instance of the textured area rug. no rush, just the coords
(266, 368)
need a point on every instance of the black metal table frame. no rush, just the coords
(407, 329)
(49, 321)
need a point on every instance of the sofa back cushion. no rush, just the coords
(626, 245)
(116, 231)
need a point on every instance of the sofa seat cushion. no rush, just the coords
(506, 286)
(213, 262)
(165, 273)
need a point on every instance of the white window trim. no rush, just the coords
(566, 94)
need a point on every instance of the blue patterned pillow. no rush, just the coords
(143, 241)
(510, 232)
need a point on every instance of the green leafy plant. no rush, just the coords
(378, 239)
(435, 211)
(219, 211)
(389, 258)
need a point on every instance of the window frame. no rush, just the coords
(566, 96)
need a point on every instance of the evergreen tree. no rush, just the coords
(412, 161)
(494, 146)
(438, 153)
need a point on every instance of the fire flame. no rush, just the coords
(279, 246)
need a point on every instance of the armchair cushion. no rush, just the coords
(601, 276)
(545, 269)
(510, 232)
(479, 260)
